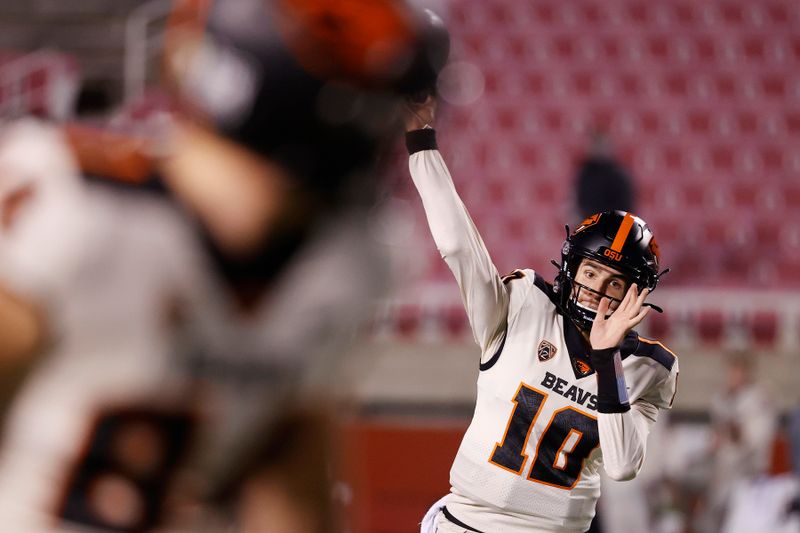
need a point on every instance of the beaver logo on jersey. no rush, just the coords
(546, 351)
(582, 367)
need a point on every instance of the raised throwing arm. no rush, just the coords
(460, 245)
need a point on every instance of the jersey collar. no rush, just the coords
(579, 349)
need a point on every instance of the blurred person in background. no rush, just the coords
(793, 433)
(178, 319)
(564, 380)
(602, 183)
(744, 423)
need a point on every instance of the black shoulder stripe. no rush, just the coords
(542, 284)
(546, 288)
(517, 274)
(492, 360)
(655, 351)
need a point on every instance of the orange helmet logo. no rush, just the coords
(654, 249)
(591, 221)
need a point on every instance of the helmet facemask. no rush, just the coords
(571, 292)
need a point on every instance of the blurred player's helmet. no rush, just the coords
(314, 85)
(433, 51)
(616, 239)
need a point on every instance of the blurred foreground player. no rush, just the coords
(178, 323)
(276, 483)
(566, 387)
(20, 329)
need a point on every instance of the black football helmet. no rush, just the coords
(315, 85)
(617, 239)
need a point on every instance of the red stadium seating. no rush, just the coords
(763, 329)
(455, 321)
(408, 320)
(711, 326)
(43, 83)
(701, 99)
(658, 325)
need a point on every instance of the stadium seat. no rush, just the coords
(407, 320)
(658, 325)
(763, 328)
(44, 83)
(710, 327)
(701, 120)
(454, 319)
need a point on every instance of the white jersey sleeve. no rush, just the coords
(623, 436)
(482, 290)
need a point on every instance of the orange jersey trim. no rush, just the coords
(650, 341)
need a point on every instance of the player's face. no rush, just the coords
(602, 280)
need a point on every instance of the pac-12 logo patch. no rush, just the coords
(546, 351)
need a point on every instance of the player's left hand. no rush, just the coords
(608, 331)
(420, 114)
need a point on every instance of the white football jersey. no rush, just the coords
(531, 456)
(537, 397)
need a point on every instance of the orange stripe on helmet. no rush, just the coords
(622, 233)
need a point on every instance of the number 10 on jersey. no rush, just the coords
(568, 439)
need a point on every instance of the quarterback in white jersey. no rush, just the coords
(561, 394)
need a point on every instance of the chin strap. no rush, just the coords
(658, 278)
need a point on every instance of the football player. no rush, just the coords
(183, 316)
(566, 386)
